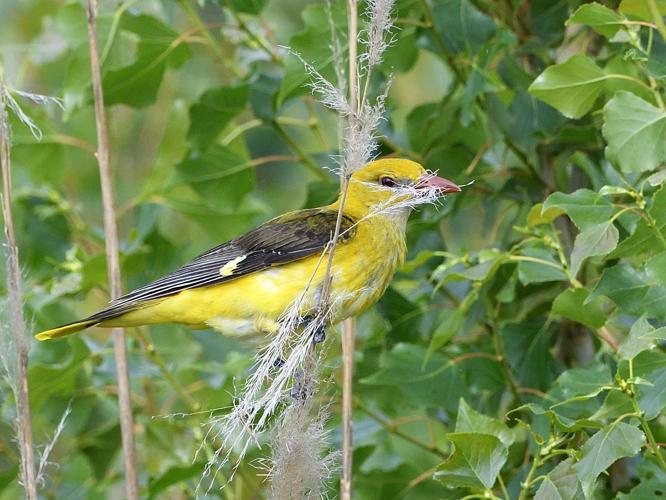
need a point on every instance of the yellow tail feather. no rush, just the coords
(64, 330)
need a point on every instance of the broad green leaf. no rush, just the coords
(559, 484)
(469, 420)
(600, 239)
(635, 132)
(588, 380)
(461, 25)
(244, 6)
(645, 490)
(137, 83)
(435, 384)
(646, 238)
(313, 44)
(642, 337)
(544, 268)
(584, 207)
(529, 352)
(537, 216)
(561, 422)
(475, 462)
(213, 112)
(615, 404)
(220, 176)
(172, 476)
(571, 87)
(547, 20)
(603, 449)
(653, 398)
(641, 9)
(655, 269)
(601, 19)
(623, 285)
(572, 303)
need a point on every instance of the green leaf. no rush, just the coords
(469, 420)
(623, 285)
(461, 25)
(603, 449)
(313, 45)
(173, 475)
(531, 271)
(641, 9)
(642, 337)
(221, 177)
(645, 238)
(560, 483)
(571, 87)
(599, 239)
(475, 462)
(137, 83)
(213, 112)
(635, 131)
(437, 383)
(572, 303)
(655, 269)
(601, 19)
(584, 207)
(528, 350)
(538, 216)
(588, 380)
(615, 404)
(645, 490)
(245, 6)
(653, 398)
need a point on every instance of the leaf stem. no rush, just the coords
(654, 447)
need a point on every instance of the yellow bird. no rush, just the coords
(245, 285)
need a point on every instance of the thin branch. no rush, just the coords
(348, 325)
(16, 317)
(112, 257)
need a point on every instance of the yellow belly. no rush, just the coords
(361, 271)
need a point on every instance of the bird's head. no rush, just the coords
(394, 186)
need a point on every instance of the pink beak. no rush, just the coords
(443, 185)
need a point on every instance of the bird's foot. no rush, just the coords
(319, 335)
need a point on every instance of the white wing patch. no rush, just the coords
(229, 268)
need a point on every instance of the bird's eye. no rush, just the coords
(387, 181)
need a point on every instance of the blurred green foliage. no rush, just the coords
(515, 354)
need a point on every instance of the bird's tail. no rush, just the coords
(67, 329)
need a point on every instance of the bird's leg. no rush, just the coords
(319, 335)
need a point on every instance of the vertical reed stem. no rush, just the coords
(112, 258)
(348, 325)
(16, 317)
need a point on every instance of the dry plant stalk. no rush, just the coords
(283, 366)
(348, 329)
(16, 324)
(112, 258)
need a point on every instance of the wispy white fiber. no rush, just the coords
(20, 114)
(280, 364)
(301, 463)
(46, 452)
(376, 40)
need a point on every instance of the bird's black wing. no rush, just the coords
(279, 241)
